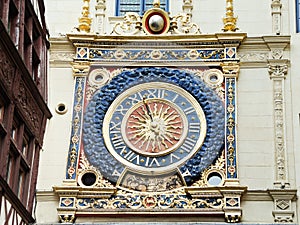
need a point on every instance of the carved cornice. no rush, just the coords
(62, 52)
(130, 41)
(258, 52)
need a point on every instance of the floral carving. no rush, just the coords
(7, 70)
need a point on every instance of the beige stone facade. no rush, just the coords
(267, 109)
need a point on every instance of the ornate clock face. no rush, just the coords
(154, 127)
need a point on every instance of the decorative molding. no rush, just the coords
(256, 52)
(96, 54)
(62, 56)
(253, 56)
(230, 146)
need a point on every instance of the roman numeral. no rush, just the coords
(172, 157)
(194, 127)
(150, 163)
(131, 156)
(188, 144)
(115, 127)
(136, 98)
(175, 97)
(189, 110)
(117, 141)
(122, 110)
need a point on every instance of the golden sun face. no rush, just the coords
(155, 127)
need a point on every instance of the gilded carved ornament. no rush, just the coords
(85, 21)
(231, 69)
(157, 21)
(229, 21)
(80, 68)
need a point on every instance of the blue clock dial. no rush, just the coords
(154, 127)
(153, 121)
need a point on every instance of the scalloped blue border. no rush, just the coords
(95, 149)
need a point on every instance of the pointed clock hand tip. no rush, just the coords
(147, 108)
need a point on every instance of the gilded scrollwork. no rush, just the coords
(150, 54)
(125, 200)
(217, 167)
(181, 24)
(85, 167)
(131, 25)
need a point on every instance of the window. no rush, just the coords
(298, 16)
(13, 23)
(138, 6)
(21, 183)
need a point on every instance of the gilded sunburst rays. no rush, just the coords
(154, 127)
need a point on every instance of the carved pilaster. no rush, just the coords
(278, 70)
(276, 16)
(100, 16)
(231, 71)
(76, 131)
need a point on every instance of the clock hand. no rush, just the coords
(147, 108)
